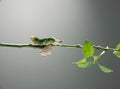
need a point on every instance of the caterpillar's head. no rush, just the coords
(31, 37)
(34, 39)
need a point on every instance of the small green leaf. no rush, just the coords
(105, 69)
(96, 58)
(83, 63)
(117, 53)
(118, 46)
(88, 49)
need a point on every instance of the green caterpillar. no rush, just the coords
(46, 42)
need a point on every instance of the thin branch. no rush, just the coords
(61, 45)
(69, 46)
(20, 45)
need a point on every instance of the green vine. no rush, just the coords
(88, 50)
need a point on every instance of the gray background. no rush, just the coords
(73, 21)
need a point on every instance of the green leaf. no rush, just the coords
(83, 63)
(117, 53)
(118, 46)
(96, 57)
(88, 49)
(105, 69)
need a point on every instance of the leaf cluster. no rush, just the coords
(88, 51)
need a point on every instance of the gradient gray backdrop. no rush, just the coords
(73, 21)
